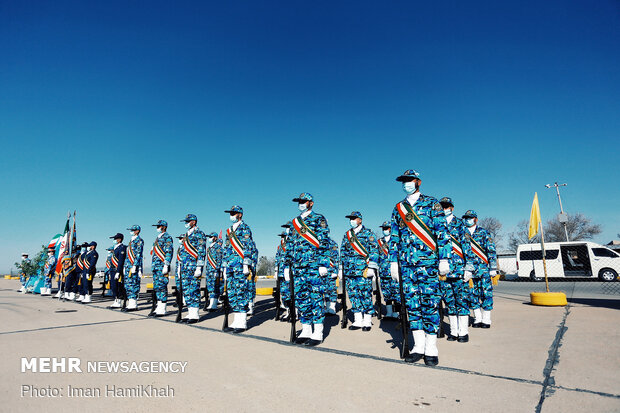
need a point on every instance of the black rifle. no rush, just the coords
(404, 318)
(226, 308)
(218, 274)
(441, 333)
(123, 295)
(206, 306)
(153, 301)
(378, 296)
(291, 304)
(277, 297)
(345, 320)
(104, 284)
(179, 298)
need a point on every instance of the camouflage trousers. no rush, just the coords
(23, 279)
(250, 290)
(48, 282)
(210, 276)
(482, 293)
(309, 286)
(330, 289)
(455, 293)
(132, 284)
(359, 290)
(389, 288)
(422, 296)
(191, 287)
(160, 283)
(285, 290)
(237, 289)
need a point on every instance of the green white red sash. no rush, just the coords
(234, 242)
(80, 263)
(305, 232)
(179, 254)
(131, 255)
(356, 244)
(416, 225)
(191, 250)
(114, 261)
(456, 247)
(86, 264)
(478, 250)
(211, 258)
(107, 264)
(332, 263)
(159, 252)
(383, 246)
(283, 245)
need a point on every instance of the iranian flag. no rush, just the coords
(61, 245)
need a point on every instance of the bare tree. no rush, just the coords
(520, 236)
(579, 228)
(494, 227)
(266, 266)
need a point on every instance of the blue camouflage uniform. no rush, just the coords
(389, 287)
(482, 293)
(213, 264)
(49, 269)
(331, 288)
(285, 291)
(454, 289)
(239, 250)
(418, 262)
(358, 252)
(307, 248)
(162, 253)
(22, 276)
(193, 257)
(134, 258)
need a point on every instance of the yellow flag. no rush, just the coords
(534, 217)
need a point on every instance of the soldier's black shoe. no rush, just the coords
(414, 357)
(477, 325)
(450, 337)
(464, 339)
(312, 343)
(431, 360)
(184, 320)
(151, 314)
(159, 315)
(352, 327)
(238, 330)
(228, 329)
(365, 328)
(286, 319)
(301, 340)
(191, 321)
(483, 325)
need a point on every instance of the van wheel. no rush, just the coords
(533, 277)
(607, 275)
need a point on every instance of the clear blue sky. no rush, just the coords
(134, 111)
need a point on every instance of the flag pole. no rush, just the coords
(542, 244)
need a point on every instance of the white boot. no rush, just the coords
(66, 296)
(331, 308)
(22, 290)
(132, 304)
(357, 320)
(72, 296)
(212, 304)
(243, 321)
(192, 313)
(236, 321)
(116, 304)
(80, 298)
(161, 308)
(419, 341)
(250, 308)
(367, 322)
(486, 317)
(463, 325)
(318, 333)
(430, 346)
(454, 327)
(306, 331)
(86, 299)
(44, 291)
(477, 316)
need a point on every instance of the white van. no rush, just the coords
(568, 260)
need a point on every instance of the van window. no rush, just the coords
(537, 255)
(604, 252)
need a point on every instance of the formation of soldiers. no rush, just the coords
(424, 255)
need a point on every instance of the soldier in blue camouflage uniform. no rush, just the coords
(280, 263)
(161, 258)
(454, 288)
(307, 250)
(178, 263)
(193, 261)
(22, 276)
(132, 271)
(331, 287)
(420, 247)
(485, 267)
(213, 265)
(239, 262)
(359, 256)
(389, 287)
(48, 272)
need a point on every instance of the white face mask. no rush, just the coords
(233, 218)
(303, 207)
(409, 187)
(287, 231)
(353, 223)
(386, 232)
(187, 225)
(49, 254)
(469, 222)
(447, 212)
(159, 230)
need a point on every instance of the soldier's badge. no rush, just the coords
(323, 223)
(401, 223)
(371, 239)
(247, 236)
(409, 216)
(303, 230)
(335, 248)
(438, 207)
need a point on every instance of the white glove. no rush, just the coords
(224, 274)
(166, 269)
(140, 273)
(334, 275)
(370, 273)
(197, 272)
(246, 269)
(133, 270)
(118, 274)
(287, 274)
(322, 271)
(466, 276)
(444, 267)
(493, 273)
(394, 271)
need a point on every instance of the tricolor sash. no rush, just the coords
(478, 250)
(211, 259)
(456, 247)
(191, 250)
(332, 263)
(159, 253)
(80, 263)
(131, 255)
(305, 232)
(178, 254)
(383, 246)
(283, 245)
(234, 242)
(114, 261)
(356, 244)
(416, 225)
(107, 264)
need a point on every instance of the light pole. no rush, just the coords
(562, 217)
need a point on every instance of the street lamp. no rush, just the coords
(563, 218)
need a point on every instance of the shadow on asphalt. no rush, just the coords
(596, 302)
